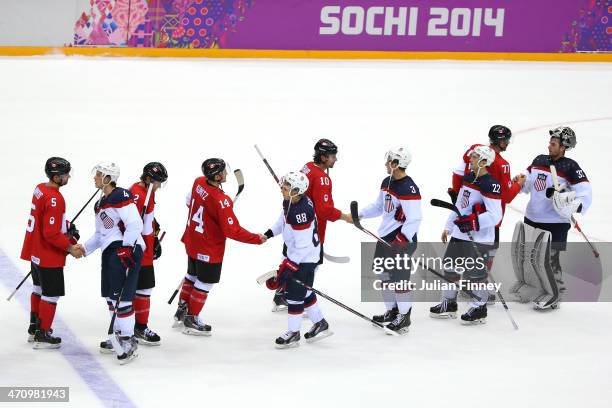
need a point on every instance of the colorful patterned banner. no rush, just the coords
(391, 25)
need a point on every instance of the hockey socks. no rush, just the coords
(294, 316)
(124, 323)
(198, 297)
(34, 304)
(404, 302)
(46, 312)
(312, 308)
(142, 304)
(186, 291)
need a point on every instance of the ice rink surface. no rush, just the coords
(181, 112)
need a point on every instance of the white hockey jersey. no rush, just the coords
(117, 219)
(298, 224)
(540, 208)
(485, 192)
(399, 202)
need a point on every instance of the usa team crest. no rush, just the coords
(465, 199)
(540, 183)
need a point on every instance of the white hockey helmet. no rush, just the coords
(296, 181)
(401, 154)
(484, 153)
(107, 169)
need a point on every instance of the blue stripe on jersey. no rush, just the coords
(566, 168)
(300, 213)
(487, 184)
(118, 198)
(401, 188)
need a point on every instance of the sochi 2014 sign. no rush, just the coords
(363, 25)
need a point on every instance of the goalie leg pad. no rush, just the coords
(518, 256)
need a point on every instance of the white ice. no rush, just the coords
(183, 111)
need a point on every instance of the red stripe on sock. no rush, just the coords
(186, 290)
(196, 301)
(141, 306)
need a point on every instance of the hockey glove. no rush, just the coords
(467, 223)
(73, 233)
(126, 256)
(400, 242)
(453, 195)
(399, 215)
(284, 273)
(157, 249)
(566, 203)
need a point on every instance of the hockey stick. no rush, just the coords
(111, 332)
(240, 179)
(555, 179)
(336, 259)
(74, 218)
(357, 223)
(442, 204)
(331, 258)
(263, 278)
(267, 164)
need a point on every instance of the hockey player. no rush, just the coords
(320, 192)
(153, 174)
(46, 245)
(119, 236)
(551, 210)
(210, 222)
(499, 140)
(399, 203)
(472, 235)
(298, 225)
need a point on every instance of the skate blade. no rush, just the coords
(399, 332)
(320, 336)
(287, 346)
(473, 322)
(177, 323)
(45, 346)
(148, 343)
(107, 351)
(447, 315)
(129, 359)
(30, 338)
(194, 332)
(543, 307)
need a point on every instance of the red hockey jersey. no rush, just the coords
(45, 242)
(320, 192)
(211, 221)
(148, 229)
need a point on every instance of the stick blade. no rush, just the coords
(355, 214)
(263, 278)
(336, 259)
(443, 204)
(240, 180)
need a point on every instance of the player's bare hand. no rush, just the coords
(445, 234)
(263, 238)
(76, 251)
(347, 217)
(520, 179)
